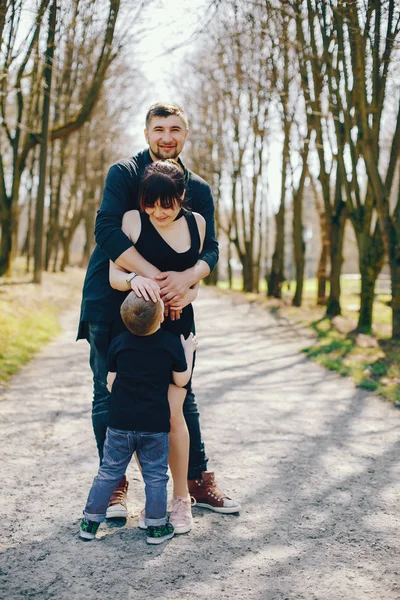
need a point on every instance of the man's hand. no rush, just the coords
(173, 285)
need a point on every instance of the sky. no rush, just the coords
(171, 24)
(175, 23)
(168, 32)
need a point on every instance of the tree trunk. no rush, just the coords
(322, 275)
(395, 279)
(337, 238)
(247, 263)
(212, 278)
(89, 219)
(276, 276)
(6, 244)
(368, 279)
(372, 256)
(48, 72)
(230, 274)
(300, 263)
(299, 247)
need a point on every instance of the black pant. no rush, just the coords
(99, 336)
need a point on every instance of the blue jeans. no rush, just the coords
(99, 337)
(152, 452)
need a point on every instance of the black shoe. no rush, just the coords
(157, 534)
(88, 529)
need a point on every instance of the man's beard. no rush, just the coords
(161, 156)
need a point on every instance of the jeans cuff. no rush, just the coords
(155, 522)
(95, 518)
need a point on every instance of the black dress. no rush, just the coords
(152, 246)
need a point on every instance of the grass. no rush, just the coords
(23, 331)
(29, 314)
(373, 361)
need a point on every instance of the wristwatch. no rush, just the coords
(130, 277)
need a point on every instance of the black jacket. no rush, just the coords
(121, 193)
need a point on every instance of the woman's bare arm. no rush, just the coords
(131, 260)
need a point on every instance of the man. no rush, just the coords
(166, 132)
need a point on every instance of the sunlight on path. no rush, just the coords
(313, 461)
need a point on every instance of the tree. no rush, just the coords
(235, 84)
(17, 116)
(47, 78)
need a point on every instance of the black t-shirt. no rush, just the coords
(139, 399)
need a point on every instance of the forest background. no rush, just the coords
(294, 110)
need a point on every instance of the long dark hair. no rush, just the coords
(163, 180)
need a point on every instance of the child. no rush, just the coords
(140, 363)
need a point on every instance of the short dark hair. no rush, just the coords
(163, 180)
(164, 109)
(140, 316)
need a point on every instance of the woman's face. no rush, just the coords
(163, 216)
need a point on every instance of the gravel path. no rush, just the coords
(314, 462)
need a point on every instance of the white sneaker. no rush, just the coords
(181, 514)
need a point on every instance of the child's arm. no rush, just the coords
(189, 346)
(110, 380)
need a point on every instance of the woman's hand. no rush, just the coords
(145, 288)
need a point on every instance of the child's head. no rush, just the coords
(141, 317)
(164, 183)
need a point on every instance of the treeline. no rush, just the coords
(63, 114)
(324, 79)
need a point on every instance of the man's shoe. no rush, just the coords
(142, 522)
(159, 533)
(207, 495)
(88, 529)
(181, 514)
(117, 509)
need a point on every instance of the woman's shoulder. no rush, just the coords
(199, 218)
(201, 222)
(131, 216)
(131, 224)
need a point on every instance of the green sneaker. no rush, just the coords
(88, 529)
(159, 533)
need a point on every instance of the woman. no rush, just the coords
(170, 238)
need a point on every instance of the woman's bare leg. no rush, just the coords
(178, 441)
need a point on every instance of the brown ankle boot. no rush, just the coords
(207, 494)
(117, 508)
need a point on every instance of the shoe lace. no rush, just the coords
(181, 507)
(213, 489)
(119, 494)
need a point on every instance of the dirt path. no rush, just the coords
(314, 462)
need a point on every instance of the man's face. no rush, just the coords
(166, 137)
